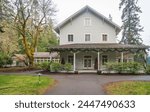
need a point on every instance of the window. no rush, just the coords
(87, 21)
(104, 59)
(70, 38)
(87, 37)
(104, 37)
(70, 59)
(56, 60)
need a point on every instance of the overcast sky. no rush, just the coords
(68, 7)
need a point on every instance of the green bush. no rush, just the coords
(67, 67)
(5, 60)
(114, 66)
(119, 67)
(44, 66)
(147, 70)
(133, 67)
(55, 67)
(110, 66)
(129, 67)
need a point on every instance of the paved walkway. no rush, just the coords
(83, 84)
(91, 84)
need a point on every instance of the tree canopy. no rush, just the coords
(29, 18)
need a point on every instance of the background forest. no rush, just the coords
(26, 27)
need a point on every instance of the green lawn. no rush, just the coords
(128, 88)
(23, 84)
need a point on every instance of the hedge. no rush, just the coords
(128, 67)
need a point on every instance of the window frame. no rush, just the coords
(87, 57)
(87, 39)
(104, 37)
(69, 37)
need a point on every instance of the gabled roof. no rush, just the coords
(118, 28)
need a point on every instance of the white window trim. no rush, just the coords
(68, 38)
(89, 21)
(91, 62)
(87, 34)
(102, 37)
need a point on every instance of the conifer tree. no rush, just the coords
(131, 22)
(1, 28)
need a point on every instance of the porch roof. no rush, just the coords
(104, 47)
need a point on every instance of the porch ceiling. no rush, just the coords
(99, 47)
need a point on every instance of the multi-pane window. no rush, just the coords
(104, 59)
(87, 37)
(104, 37)
(70, 59)
(70, 38)
(87, 61)
(87, 21)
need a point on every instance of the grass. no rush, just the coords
(128, 88)
(24, 84)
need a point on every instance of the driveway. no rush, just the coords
(90, 84)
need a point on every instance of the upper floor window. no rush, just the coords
(87, 21)
(104, 37)
(87, 37)
(70, 38)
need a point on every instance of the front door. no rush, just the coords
(87, 62)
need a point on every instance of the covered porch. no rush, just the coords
(92, 57)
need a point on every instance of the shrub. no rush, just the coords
(56, 67)
(5, 60)
(133, 67)
(110, 66)
(118, 67)
(147, 70)
(130, 67)
(45, 65)
(67, 67)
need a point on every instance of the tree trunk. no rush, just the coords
(31, 60)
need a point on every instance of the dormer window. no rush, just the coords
(104, 37)
(87, 21)
(70, 38)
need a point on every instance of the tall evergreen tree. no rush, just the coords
(131, 22)
(1, 30)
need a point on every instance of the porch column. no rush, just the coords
(98, 54)
(121, 57)
(74, 62)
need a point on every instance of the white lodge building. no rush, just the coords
(88, 41)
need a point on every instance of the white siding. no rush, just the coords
(78, 29)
